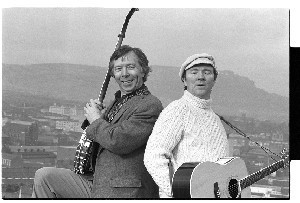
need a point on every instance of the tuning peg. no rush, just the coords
(283, 153)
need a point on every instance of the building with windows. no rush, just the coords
(64, 110)
(68, 125)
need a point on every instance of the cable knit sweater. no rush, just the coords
(187, 130)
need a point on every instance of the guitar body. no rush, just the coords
(211, 179)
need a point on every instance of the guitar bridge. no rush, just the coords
(217, 190)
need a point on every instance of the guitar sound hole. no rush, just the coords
(233, 188)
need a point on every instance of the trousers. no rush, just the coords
(50, 182)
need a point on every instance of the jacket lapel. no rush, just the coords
(129, 104)
(109, 108)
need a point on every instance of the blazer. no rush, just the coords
(119, 169)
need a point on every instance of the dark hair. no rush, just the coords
(125, 49)
(214, 71)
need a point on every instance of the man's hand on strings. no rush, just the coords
(94, 110)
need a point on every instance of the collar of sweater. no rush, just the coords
(196, 101)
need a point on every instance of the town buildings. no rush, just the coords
(35, 138)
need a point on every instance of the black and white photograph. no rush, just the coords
(145, 102)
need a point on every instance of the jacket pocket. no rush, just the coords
(125, 182)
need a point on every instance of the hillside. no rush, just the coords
(232, 94)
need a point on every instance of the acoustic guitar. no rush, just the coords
(225, 178)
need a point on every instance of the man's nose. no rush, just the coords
(200, 76)
(125, 72)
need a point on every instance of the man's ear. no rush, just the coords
(112, 74)
(142, 71)
(184, 82)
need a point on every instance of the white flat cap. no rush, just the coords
(196, 59)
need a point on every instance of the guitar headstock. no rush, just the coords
(285, 157)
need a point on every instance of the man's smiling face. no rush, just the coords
(128, 73)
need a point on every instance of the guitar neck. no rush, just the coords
(249, 180)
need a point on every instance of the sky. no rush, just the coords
(251, 42)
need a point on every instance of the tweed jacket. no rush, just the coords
(120, 170)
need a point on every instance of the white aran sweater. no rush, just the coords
(187, 130)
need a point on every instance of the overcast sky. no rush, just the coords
(251, 42)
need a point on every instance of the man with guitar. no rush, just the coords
(121, 130)
(187, 130)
